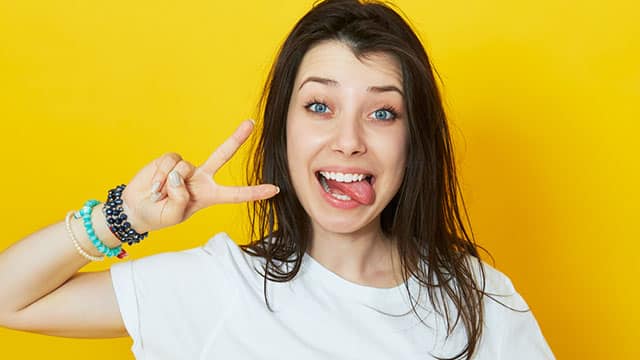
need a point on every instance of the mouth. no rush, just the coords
(348, 186)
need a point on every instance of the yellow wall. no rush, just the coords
(542, 96)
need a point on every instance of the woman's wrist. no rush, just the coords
(121, 220)
(104, 228)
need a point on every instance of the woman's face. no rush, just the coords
(346, 136)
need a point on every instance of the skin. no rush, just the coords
(337, 118)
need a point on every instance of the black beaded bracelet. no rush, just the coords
(117, 219)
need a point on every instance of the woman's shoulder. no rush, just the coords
(226, 252)
(509, 321)
(499, 290)
(495, 281)
(220, 245)
(217, 253)
(496, 285)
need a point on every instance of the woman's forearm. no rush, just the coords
(41, 262)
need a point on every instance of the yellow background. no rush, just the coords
(542, 97)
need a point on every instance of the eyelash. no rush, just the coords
(314, 102)
(393, 111)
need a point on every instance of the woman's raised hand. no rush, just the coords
(152, 200)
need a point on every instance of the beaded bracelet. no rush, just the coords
(76, 243)
(85, 213)
(117, 219)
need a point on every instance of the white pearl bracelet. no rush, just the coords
(67, 222)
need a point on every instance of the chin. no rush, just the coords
(340, 224)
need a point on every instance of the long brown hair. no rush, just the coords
(424, 216)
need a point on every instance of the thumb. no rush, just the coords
(177, 199)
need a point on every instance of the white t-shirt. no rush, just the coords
(208, 303)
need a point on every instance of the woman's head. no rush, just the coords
(377, 37)
(343, 73)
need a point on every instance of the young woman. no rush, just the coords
(359, 246)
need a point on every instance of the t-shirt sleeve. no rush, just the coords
(521, 334)
(170, 301)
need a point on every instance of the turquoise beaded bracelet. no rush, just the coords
(85, 213)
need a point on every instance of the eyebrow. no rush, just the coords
(331, 82)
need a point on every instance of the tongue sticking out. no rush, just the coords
(360, 191)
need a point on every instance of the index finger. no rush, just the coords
(239, 194)
(228, 148)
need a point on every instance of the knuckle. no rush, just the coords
(237, 196)
(173, 156)
(164, 164)
(169, 160)
(184, 167)
(225, 152)
(236, 138)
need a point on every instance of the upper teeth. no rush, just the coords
(340, 177)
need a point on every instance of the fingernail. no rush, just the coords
(155, 187)
(253, 121)
(174, 178)
(277, 189)
(155, 196)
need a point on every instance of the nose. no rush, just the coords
(348, 136)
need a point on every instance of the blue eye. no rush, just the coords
(318, 107)
(384, 114)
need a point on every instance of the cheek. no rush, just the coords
(295, 160)
(393, 149)
(299, 145)
(304, 139)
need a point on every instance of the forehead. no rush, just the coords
(335, 60)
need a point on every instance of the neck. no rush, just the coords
(366, 256)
